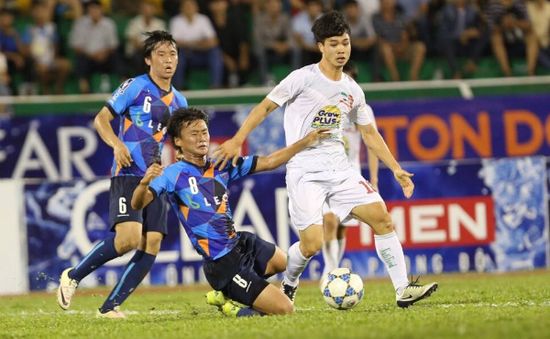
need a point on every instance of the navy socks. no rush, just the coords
(100, 254)
(248, 312)
(133, 274)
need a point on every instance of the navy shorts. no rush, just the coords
(152, 217)
(240, 274)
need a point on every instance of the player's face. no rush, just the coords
(163, 60)
(194, 138)
(336, 50)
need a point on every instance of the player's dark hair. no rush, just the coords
(329, 25)
(153, 39)
(183, 117)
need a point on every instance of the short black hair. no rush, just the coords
(153, 39)
(329, 25)
(183, 117)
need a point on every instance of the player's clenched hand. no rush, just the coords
(152, 172)
(122, 155)
(404, 179)
(229, 150)
(315, 136)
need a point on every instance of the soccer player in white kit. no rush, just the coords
(335, 229)
(322, 96)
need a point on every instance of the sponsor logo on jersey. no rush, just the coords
(121, 89)
(346, 100)
(328, 117)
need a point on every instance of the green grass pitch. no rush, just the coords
(466, 305)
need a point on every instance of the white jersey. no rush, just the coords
(352, 142)
(313, 101)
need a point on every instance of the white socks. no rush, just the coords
(389, 250)
(331, 252)
(296, 263)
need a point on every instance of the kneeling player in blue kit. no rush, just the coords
(236, 264)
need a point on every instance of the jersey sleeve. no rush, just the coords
(288, 88)
(362, 114)
(245, 166)
(123, 97)
(182, 101)
(163, 183)
(159, 185)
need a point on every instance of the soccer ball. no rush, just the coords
(342, 289)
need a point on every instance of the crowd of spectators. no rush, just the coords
(234, 39)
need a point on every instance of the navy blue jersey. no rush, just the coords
(144, 110)
(199, 196)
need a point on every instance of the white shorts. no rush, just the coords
(340, 190)
(348, 222)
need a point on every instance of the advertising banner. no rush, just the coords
(66, 147)
(475, 215)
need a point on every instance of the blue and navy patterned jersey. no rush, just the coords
(199, 196)
(144, 109)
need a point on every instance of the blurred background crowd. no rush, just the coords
(74, 46)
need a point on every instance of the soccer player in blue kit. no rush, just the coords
(235, 263)
(143, 105)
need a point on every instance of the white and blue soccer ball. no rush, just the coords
(342, 289)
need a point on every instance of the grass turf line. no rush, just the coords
(472, 305)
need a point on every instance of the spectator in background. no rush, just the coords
(395, 42)
(67, 9)
(144, 22)
(171, 8)
(364, 42)
(233, 37)
(65, 12)
(413, 9)
(416, 17)
(4, 81)
(511, 33)
(272, 38)
(197, 43)
(539, 14)
(41, 46)
(460, 34)
(94, 40)
(368, 9)
(305, 47)
(12, 48)
(128, 7)
(294, 7)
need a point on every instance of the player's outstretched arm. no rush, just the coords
(372, 160)
(229, 150)
(142, 195)
(283, 155)
(102, 123)
(373, 168)
(376, 143)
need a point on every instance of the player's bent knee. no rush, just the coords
(279, 261)
(330, 222)
(311, 248)
(126, 242)
(283, 307)
(385, 225)
(153, 243)
(128, 236)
